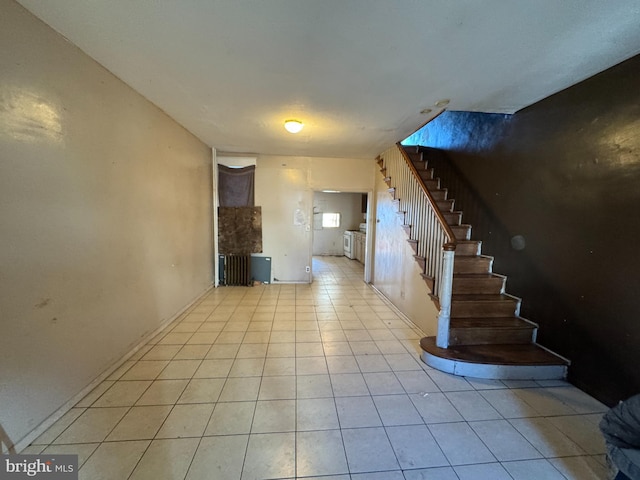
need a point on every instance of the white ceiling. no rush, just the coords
(356, 72)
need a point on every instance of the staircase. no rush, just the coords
(487, 337)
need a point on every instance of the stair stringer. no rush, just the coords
(421, 261)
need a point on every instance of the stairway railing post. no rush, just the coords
(446, 288)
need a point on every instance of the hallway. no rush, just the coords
(322, 381)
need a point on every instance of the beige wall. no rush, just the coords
(284, 190)
(105, 220)
(395, 272)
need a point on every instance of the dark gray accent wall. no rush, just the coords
(557, 196)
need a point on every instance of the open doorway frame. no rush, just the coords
(369, 220)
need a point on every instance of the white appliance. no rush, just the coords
(349, 246)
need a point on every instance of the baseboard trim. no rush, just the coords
(397, 311)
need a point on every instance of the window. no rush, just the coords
(330, 220)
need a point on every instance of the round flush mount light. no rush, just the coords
(442, 103)
(293, 126)
(425, 111)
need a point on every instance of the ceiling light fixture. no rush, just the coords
(293, 126)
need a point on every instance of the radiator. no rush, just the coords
(237, 270)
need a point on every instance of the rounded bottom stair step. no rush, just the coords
(513, 362)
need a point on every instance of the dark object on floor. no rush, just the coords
(620, 427)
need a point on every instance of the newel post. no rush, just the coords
(446, 288)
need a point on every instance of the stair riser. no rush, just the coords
(439, 194)
(490, 336)
(461, 232)
(468, 249)
(424, 171)
(445, 205)
(453, 218)
(472, 265)
(419, 162)
(432, 184)
(416, 157)
(468, 286)
(482, 309)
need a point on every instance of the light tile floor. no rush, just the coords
(321, 381)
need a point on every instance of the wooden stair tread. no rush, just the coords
(477, 276)
(462, 243)
(481, 297)
(468, 247)
(473, 258)
(494, 322)
(483, 283)
(519, 354)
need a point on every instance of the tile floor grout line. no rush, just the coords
(193, 457)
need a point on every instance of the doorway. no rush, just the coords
(340, 225)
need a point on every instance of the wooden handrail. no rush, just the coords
(451, 238)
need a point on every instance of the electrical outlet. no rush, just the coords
(307, 269)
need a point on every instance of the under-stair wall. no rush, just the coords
(395, 273)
